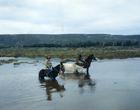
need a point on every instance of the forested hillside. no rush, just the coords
(30, 39)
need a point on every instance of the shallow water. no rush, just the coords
(112, 85)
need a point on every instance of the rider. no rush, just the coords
(80, 58)
(48, 64)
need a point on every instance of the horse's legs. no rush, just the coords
(41, 76)
(53, 78)
(87, 70)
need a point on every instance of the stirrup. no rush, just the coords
(47, 72)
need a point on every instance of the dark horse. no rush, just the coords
(88, 62)
(53, 74)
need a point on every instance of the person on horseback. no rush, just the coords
(48, 64)
(80, 58)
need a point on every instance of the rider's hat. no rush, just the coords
(48, 57)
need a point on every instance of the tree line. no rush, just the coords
(87, 44)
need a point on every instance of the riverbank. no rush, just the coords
(99, 52)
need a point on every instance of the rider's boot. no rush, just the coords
(84, 66)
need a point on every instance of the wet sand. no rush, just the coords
(110, 85)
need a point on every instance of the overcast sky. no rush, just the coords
(70, 17)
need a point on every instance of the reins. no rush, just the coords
(56, 69)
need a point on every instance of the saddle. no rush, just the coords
(80, 63)
(47, 72)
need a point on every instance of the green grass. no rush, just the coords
(99, 52)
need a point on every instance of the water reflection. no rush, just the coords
(72, 75)
(52, 86)
(117, 86)
(87, 81)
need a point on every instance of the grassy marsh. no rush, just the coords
(99, 52)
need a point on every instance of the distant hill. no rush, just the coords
(28, 39)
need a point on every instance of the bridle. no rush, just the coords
(57, 70)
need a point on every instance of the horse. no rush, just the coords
(88, 62)
(53, 74)
(73, 68)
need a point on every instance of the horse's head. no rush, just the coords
(93, 57)
(62, 68)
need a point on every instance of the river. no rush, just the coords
(112, 85)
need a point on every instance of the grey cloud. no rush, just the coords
(75, 16)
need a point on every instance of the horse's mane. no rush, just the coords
(56, 70)
(57, 67)
(89, 56)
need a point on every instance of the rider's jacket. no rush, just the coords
(80, 57)
(48, 63)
